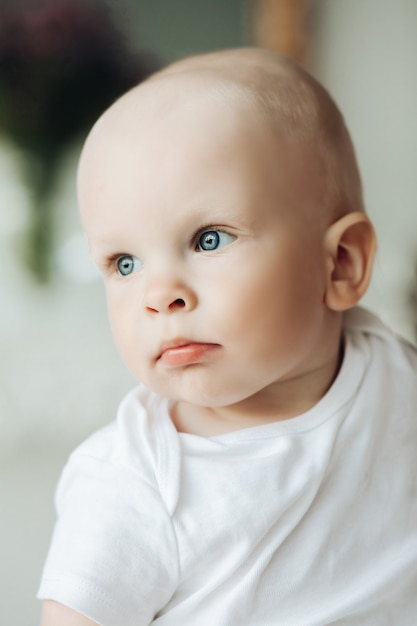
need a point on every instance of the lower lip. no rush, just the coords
(188, 354)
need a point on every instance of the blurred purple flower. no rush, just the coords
(61, 63)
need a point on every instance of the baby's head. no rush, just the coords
(223, 204)
(292, 104)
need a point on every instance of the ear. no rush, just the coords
(350, 249)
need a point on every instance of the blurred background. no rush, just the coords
(61, 63)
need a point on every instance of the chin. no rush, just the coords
(208, 397)
(199, 387)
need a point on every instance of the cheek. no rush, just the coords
(115, 312)
(121, 318)
(272, 303)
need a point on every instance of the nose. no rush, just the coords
(168, 296)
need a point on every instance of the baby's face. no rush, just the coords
(211, 246)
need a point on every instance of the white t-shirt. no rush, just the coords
(306, 522)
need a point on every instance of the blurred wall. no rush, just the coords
(177, 29)
(365, 52)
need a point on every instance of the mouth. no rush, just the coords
(183, 352)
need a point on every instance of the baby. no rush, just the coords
(263, 473)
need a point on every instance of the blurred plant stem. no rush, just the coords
(40, 173)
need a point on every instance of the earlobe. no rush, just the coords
(350, 249)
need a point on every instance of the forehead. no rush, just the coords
(185, 132)
(160, 124)
(161, 111)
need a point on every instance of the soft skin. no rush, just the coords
(154, 177)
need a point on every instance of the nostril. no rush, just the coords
(178, 303)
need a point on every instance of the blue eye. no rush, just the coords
(213, 239)
(127, 264)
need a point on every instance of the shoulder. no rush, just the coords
(364, 328)
(114, 553)
(388, 388)
(141, 444)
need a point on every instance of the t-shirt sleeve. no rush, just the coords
(113, 554)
